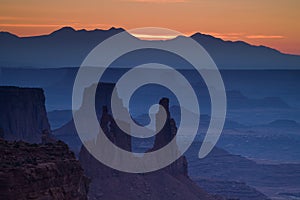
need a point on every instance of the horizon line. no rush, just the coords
(231, 37)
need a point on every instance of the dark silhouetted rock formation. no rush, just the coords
(68, 132)
(164, 136)
(113, 132)
(168, 131)
(105, 180)
(22, 113)
(32, 171)
(171, 182)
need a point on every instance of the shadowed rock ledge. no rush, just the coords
(32, 171)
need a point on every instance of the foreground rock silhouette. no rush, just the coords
(29, 170)
(34, 171)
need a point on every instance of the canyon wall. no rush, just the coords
(22, 113)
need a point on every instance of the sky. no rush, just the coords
(273, 23)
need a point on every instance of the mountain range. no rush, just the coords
(68, 47)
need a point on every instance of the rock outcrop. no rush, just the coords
(164, 136)
(172, 182)
(22, 113)
(68, 132)
(32, 171)
(113, 132)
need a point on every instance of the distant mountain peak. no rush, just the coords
(69, 30)
(199, 35)
(205, 37)
(59, 46)
(116, 29)
(66, 29)
(7, 34)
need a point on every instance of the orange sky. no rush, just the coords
(274, 23)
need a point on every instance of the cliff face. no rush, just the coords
(171, 182)
(31, 171)
(22, 113)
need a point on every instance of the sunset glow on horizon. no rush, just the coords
(273, 23)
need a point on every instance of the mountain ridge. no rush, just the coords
(67, 47)
(196, 34)
(199, 34)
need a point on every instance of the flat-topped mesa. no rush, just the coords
(23, 113)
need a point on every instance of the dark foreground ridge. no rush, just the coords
(34, 171)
